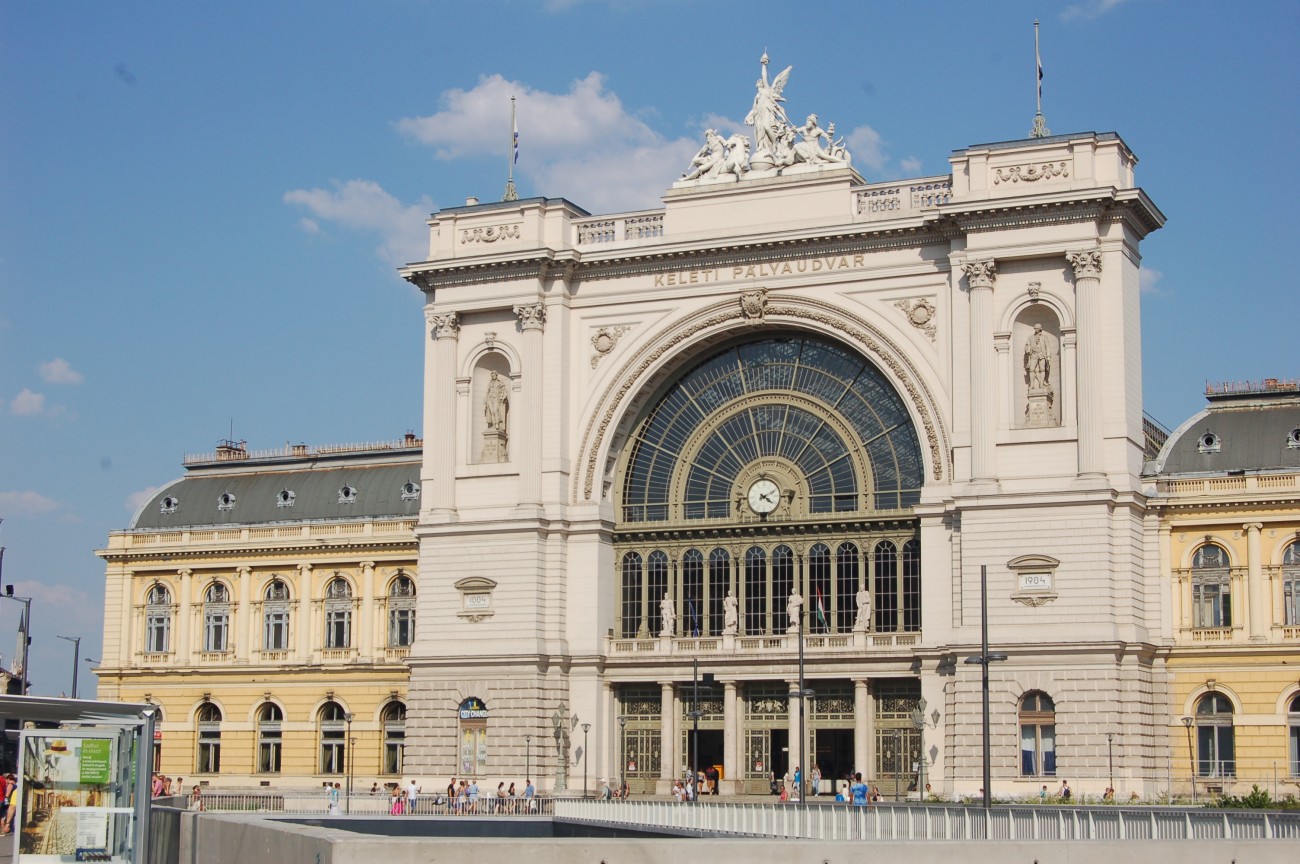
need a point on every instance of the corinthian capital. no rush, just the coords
(531, 317)
(1086, 264)
(444, 326)
(981, 274)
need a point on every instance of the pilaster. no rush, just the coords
(440, 423)
(1087, 290)
(529, 431)
(1255, 588)
(980, 277)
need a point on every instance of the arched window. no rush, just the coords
(912, 586)
(394, 725)
(216, 618)
(1293, 734)
(338, 614)
(819, 585)
(269, 720)
(632, 599)
(693, 593)
(158, 620)
(275, 617)
(719, 585)
(1211, 588)
(1037, 735)
(332, 722)
(1215, 745)
(848, 581)
(209, 751)
(886, 556)
(755, 591)
(1291, 584)
(401, 612)
(782, 585)
(657, 574)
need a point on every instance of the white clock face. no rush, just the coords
(764, 495)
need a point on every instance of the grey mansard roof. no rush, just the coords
(255, 485)
(1244, 432)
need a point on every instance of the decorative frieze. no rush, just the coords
(1031, 173)
(490, 233)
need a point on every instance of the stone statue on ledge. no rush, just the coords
(668, 613)
(730, 615)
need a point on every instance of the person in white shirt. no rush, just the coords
(412, 793)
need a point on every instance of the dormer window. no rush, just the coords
(1209, 442)
(285, 498)
(347, 495)
(410, 491)
(226, 501)
(169, 504)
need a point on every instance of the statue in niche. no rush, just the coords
(496, 404)
(794, 610)
(669, 615)
(767, 116)
(730, 615)
(1038, 358)
(862, 623)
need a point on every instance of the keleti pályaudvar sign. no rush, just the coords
(473, 708)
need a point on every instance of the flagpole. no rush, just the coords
(1040, 129)
(512, 154)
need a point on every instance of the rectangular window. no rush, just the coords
(209, 750)
(1295, 750)
(268, 749)
(216, 629)
(158, 633)
(401, 628)
(394, 741)
(1212, 603)
(332, 750)
(275, 634)
(338, 628)
(1215, 755)
(1291, 600)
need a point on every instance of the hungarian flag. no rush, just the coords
(694, 617)
(515, 124)
(821, 610)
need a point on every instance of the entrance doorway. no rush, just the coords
(710, 747)
(833, 754)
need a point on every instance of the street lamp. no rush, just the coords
(918, 720)
(983, 660)
(1110, 759)
(347, 758)
(622, 753)
(528, 757)
(76, 654)
(25, 628)
(1191, 756)
(586, 727)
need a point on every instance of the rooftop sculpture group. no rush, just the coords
(778, 143)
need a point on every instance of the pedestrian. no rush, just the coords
(412, 795)
(530, 796)
(332, 799)
(501, 797)
(472, 792)
(858, 791)
(11, 798)
(451, 793)
(196, 798)
(1064, 794)
(374, 788)
(395, 802)
(1042, 793)
(815, 777)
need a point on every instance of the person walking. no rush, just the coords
(858, 792)
(412, 795)
(332, 793)
(530, 796)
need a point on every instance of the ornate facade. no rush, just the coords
(265, 602)
(1226, 510)
(793, 413)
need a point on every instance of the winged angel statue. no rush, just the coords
(777, 142)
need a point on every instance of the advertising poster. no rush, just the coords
(67, 812)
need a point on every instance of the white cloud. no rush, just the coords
(867, 148)
(1089, 9)
(363, 205)
(28, 404)
(26, 503)
(911, 165)
(1149, 282)
(135, 499)
(59, 371)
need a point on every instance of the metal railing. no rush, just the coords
(316, 803)
(935, 822)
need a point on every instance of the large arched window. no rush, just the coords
(1215, 744)
(158, 620)
(269, 738)
(394, 725)
(338, 614)
(216, 618)
(657, 574)
(1293, 734)
(332, 726)
(209, 749)
(1037, 735)
(848, 582)
(401, 612)
(693, 593)
(275, 617)
(1211, 587)
(719, 585)
(782, 586)
(755, 591)
(1291, 584)
(633, 623)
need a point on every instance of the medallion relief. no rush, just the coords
(604, 340)
(920, 314)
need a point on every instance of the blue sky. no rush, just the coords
(202, 205)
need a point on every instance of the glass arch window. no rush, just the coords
(332, 723)
(216, 618)
(693, 593)
(209, 749)
(631, 618)
(719, 585)
(275, 616)
(158, 620)
(773, 398)
(1215, 741)
(269, 738)
(338, 614)
(1291, 584)
(1211, 587)
(1037, 735)
(401, 612)
(393, 721)
(1293, 735)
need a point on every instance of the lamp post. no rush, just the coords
(983, 660)
(25, 628)
(347, 758)
(76, 655)
(586, 727)
(528, 757)
(1110, 759)
(1191, 756)
(918, 720)
(622, 753)
(801, 694)
(695, 718)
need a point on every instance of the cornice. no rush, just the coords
(312, 550)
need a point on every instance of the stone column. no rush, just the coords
(439, 475)
(731, 767)
(1255, 587)
(1089, 384)
(184, 613)
(980, 276)
(861, 727)
(667, 734)
(244, 617)
(303, 619)
(126, 644)
(369, 612)
(528, 423)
